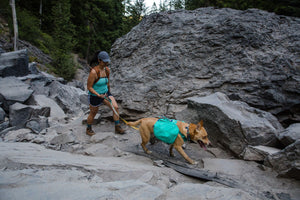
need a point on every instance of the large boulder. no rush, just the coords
(13, 90)
(14, 63)
(71, 99)
(233, 124)
(251, 56)
(19, 113)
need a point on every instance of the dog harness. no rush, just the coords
(167, 131)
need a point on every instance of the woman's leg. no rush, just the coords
(90, 119)
(115, 115)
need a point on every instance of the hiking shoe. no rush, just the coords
(90, 132)
(119, 130)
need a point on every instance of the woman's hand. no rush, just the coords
(101, 96)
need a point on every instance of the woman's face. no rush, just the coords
(103, 63)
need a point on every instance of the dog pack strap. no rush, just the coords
(188, 133)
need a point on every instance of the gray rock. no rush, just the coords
(6, 128)
(13, 90)
(40, 87)
(63, 139)
(258, 153)
(290, 135)
(20, 135)
(232, 124)
(250, 55)
(69, 98)
(2, 115)
(77, 84)
(100, 149)
(55, 110)
(33, 68)
(98, 138)
(14, 63)
(3, 126)
(206, 192)
(19, 114)
(37, 124)
(287, 161)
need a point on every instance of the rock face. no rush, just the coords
(232, 124)
(251, 56)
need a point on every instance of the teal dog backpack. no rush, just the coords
(166, 130)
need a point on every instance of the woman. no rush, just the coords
(99, 92)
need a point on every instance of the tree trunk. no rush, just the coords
(41, 12)
(15, 23)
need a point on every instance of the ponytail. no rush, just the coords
(94, 60)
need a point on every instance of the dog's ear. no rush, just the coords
(200, 124)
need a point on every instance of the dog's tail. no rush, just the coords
(135, 123)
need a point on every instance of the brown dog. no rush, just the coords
(195, 132)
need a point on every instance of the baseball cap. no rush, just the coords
(103, 55)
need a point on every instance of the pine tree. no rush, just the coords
(63, 32)
(154, 8)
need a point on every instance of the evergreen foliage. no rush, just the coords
(28, 26)
(281, 7)
(134, 13)
(63, 31)
(62, 27)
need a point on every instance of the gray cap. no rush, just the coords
(103, 55)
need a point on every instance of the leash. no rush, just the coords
(114, 110)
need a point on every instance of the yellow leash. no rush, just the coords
(128, 124)
(119, 115)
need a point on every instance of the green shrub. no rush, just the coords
(28, 26)
(63, 65)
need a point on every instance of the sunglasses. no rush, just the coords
(106, 63)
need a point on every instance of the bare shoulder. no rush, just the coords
(93, 71)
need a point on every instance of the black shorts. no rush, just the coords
(96, 101)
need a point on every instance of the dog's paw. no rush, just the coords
(193, 163)
(148, 152)
(171, 153)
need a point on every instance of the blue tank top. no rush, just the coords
(100, 86)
